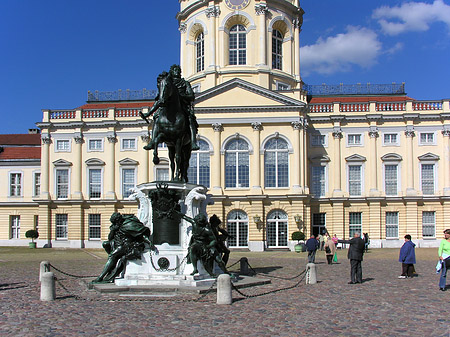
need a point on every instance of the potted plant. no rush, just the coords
(299, 236)
(32, 234)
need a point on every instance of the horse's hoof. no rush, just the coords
(195, 147)
(156, 160)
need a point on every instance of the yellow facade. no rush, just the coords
(377, 166)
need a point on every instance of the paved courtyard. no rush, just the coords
(382, 306)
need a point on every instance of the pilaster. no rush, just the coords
(255, 177)
(216, 172)
(110, 169)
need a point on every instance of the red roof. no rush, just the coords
(20, 152)
(20, 139)
(358, 99)
(115, 105)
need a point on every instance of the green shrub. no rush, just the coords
(32, 234)
(298, 236)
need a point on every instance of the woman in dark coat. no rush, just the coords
(407, 257)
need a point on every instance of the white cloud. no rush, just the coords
(412, 16)
(358, 46)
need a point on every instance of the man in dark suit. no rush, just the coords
(355, 255)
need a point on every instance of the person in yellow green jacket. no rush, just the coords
(444, 257)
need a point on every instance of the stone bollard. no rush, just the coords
(244, 266)
(224, 295)
(311, 273)
(48, 292)
(45, 267)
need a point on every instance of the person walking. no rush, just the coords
(444, 257)
(311, 246)
(330, 250)
(355, 255)
(407, 257)
(321, 241)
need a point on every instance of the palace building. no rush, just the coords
(277, 155)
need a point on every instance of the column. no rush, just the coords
(297, 23)
(409, 133)
(110, 169)
(261, 10)
(77, 168)
(337, 166)
(216, 168)
(212, 12)
(143, 170)
(446, 161)
(182, 29)
(296, 175)
(303, 156)
(45, 164)
(373, 159)
(256, 164)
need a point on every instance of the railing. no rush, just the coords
(355, 89)
(354, 107)
(421, 106)
(121, 95)
(62, 114)
(127, 112)
(95, 113)
(321, 107)
(401, 106)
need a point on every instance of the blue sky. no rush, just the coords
(54, 51)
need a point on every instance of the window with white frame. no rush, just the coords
(237, 158)
(95, 183)
(95, 226)
(355, 180)
(61, 226)
(391, 139)
(427, 178)
(37, 184)
(354, 139)
(199, 165)
(277, 229)
(282, 86)
(277, 50)
(95, 145)
(427, 138)
(128, 181)
(276, 163)
(237, 227)
(391, 179)
(355, 223)
(428, 224)
(237, 45)
(391, 225)
(129, 144)
(15, 184)
(162, 173)
(15, 227)
(62, 183)
(318, 140)
(200, 51)
(62, 145)
(318, 180)
(36, 223)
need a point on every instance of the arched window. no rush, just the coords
(237, 164)
(277, 229)
(200, 51)
(237, 227)
(277, 49)
(199, 165)
(276, 164)
(238, 45)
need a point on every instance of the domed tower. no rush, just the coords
(255, 40)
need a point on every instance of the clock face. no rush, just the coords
(236, 4)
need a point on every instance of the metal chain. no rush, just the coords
(71, 275)
(277, 277)
(166, 269)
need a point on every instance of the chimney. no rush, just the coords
(33, 131)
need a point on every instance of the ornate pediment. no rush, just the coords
(128, 162)
(62, 162)
(320, 159)
(428, 156)
(391, 157)
(355, 158)
(94, 162)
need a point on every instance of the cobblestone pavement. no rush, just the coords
(382, 306)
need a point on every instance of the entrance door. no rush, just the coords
(277, 229)
(318, 224)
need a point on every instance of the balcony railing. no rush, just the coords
(423, 106)
(354, 107)
(321, 107)
(355, 89)
(62, 114)
(401, 106)
(121, 95)
(127, 112)
(100, 113)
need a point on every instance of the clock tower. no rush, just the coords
(255, 40)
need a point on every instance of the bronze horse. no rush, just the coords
(171, 126)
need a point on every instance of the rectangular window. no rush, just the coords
(353, 140)
(428, 224)
(355, 223)
(283, 86)
(15, 184)
(95, 183)
(318, 181)
(128, 182)
(15, 226)
(61, 226)
(390, 139)
(95, 145)
(37, 184)
(427, 179)
(62, 145)
(317, 140)
(162, 174)
(390, 179)
(426, 138)
(129, 144)
(62, 183)
(95, 225)
(391, 225)
(36, 223)
(354, 179)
